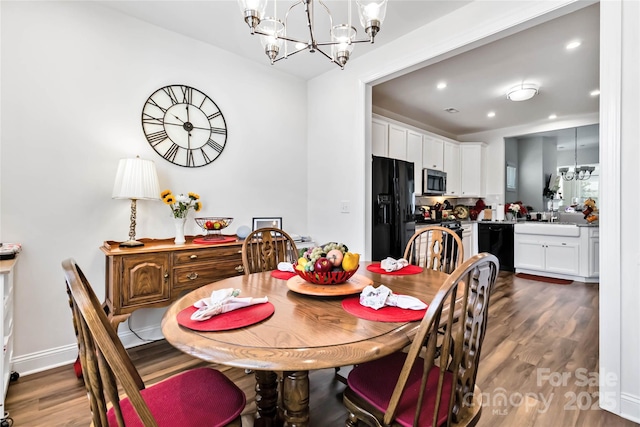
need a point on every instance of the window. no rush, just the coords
(511, 177)
(575, 192)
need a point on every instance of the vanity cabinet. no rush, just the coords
(156, 274)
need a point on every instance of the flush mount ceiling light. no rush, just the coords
(273, 31)
(522, 92)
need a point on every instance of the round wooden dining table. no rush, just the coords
(308, 330)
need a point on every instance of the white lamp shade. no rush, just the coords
(136, 179)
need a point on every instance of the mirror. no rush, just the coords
(531, 159)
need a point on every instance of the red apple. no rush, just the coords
(208, 225)
(322, 265)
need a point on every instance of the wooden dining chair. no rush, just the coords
(434, 383)
(197, 397)
(264, 248)
(435, 247)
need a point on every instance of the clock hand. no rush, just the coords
(192, 127)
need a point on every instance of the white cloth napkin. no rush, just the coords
(389, 264)
(286, 266)
(377, 298)
(222, 301)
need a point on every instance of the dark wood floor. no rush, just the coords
(538, 332)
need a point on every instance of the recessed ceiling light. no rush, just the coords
(574, 44)
(491, 114)
(441, 85)
(522, 92)
(553, 116)
(595, 92)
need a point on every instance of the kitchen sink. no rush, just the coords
(554, 228)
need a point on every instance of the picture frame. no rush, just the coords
(261, 222)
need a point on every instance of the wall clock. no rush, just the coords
(184, 126)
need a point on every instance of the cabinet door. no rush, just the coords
(562, 257)
(594, 257)
(379, 138)
(433, 153)
(467, 241)
(528, 253)
(452, 167)
(145, 279)
(471, 176)
(414, 154)
(397, 142)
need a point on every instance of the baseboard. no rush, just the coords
(65, 355)
(630, 407)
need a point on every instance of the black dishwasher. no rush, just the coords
(497, 239)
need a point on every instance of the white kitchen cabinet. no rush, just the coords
(472, 180)
(6, 326)
(397, 142)
(433, 153)
(414, 154)
(379, 138)
(469, 240)
(557, 250)
(452, 167)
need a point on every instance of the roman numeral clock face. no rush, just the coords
(184, 126)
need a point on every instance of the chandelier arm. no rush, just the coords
(309, 12)
(289, 39)
(290, 54)
(337, 43)
(328, 56)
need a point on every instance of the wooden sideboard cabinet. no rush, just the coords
(156, 274)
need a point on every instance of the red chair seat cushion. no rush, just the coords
(374, 381)
(199, 397)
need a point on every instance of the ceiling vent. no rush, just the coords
(451, 110)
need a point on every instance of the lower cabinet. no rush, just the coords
(469, 240)
(574, 256)
(548, 253)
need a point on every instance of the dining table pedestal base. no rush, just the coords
(287, 405)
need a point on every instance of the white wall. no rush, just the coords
(75, 77)
(349, 147)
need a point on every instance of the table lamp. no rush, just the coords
(136, 179)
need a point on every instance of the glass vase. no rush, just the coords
(179, 224)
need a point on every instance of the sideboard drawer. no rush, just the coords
(207, 254)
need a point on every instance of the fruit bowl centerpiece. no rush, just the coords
(330, 264)
(212, 226)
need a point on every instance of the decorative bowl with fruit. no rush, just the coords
(330, 264)
(212, 226)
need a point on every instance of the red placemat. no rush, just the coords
(226, 321)
(203, 241)
(385, 314)
(409, 269)
(285, 275)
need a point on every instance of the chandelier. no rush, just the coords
(579, 173)
(341, 37)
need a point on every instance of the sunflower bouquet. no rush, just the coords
(181, 203)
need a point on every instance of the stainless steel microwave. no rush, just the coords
(434, 182)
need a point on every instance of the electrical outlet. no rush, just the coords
(344, 206)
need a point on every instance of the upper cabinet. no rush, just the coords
(414, 154)
(452, 168)
(397, 142)
(433, 153)
(472, 180)
(463, 162)
(379, 138)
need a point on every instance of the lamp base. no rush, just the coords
(131, 244)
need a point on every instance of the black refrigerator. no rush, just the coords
(393, 207)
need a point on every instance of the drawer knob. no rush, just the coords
(193, 256)
(192, 276)
(166, 276)
(240, 269)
